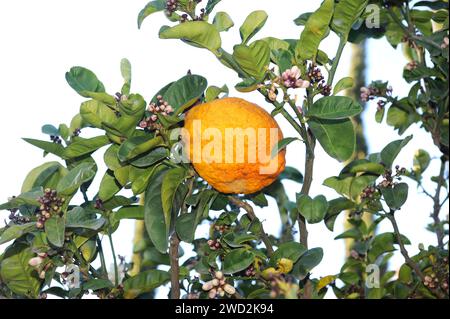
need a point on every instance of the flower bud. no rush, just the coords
(229, 289)
(219, 275)
(35, 261)
(42, 275)
(212, 293)
(215, 282)
(207, 285)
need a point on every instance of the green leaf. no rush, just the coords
(17, 274)
(130, 212)
(150, 158)
(50, 130)
(238, 239)
(85, 146)
(109, 186)
(213, 92)
(335, 207)
(308, 261)
(343, 84)
(390, 152)
(125, 70)
(138, 145)
(185, 92)
(170, 183)
(83, 80)
(350, 187)
(155, 221)
(313, 209)
(48, 147)
(346, 13)
(302, 18)
(144, 282)
(151, 7)
(253, 59)
(46, 176)
(316, 29)
(292, 174)
(281, 144)
(199, 33)
(237, 260)
(81, 218)
(247, 85)
(222, 21)
(396, 196)
(16, 231)
(54, 229)
(70, 183)
(97, 284)
(289, 250)
(334, 107)
(252, 24)
(210, 5)
(383, 243)
(28, 198)
(95, 113)
(337, 137)
(421, 161)
(362, 166)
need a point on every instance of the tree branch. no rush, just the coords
(252, 216)
(437, 206)
(174, 266)
(414, 266)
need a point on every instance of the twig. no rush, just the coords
(414, 266)
(116, 273)
(102, 258)
(437, 205)
(174, 266)
(252, 216)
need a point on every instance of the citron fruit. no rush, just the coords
(229, 141)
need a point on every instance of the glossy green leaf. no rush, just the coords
(48, 147)
(383, 243)
(282, 144)
(313, 209)
(170, 183)
(289, 250)
(390, 152)
(346, 13)
(83, 80)
(247, 85)
(151, 7)
(70, 183)
(138, 145)
(252, 24)
(213, 92)
(82, 218)
(95, 113)
(85, 146)
(54, 229)
(199, 33)
(50, 130)
(335, 207)
(144, 282)
(253, 59)
(109, 186)
(316, 29)
(334, 107)
(185, 92)
(155, 221)
(237, 260)
(337, 137)
(17, 274)
(308, 261)
(16, 231)
(362, 166)
(343, 84)
(223, 21)
(396, 196)
(46, 176)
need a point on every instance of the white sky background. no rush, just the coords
(41, 40)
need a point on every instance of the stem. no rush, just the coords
(414, 266)
(174, 266)
(252, 216)
(116, 273)
(437, 206)
(102, 258)
(342, 42)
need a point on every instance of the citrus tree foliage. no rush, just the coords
(49, 232)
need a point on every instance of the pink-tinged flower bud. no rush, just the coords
(219, 275)
(444, 44)
(207, 285)
(272, 96)
(295, 71)
(35, 261)
(164, 113)
(162, 107)
(300, 109)
(159, 97)
(222, 282)
(143, 124)
(169, 109)
(212, 293)
(154, 118)
(229, 289)
(157, 109)
(151, 109)
(43, 255)
(365, 90)
(215, 282)
(42, 274)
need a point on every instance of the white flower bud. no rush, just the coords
(219, 275)
(229, 289)
(212, 293)
(207, 285)
(35, 261)
(215, 282)
(42, 274)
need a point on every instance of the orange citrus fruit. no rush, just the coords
(229, 141)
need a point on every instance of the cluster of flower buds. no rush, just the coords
(368, 192)
(389, 178)
(273, 92)
(50, 205)
(444, 44)
(315, 74)
(76, 132)
(250, 271)
(369, 93)
(214, 244)
(36, 262)
(218, 286)
(55, 139)
(410, 66)
(17, 218)
(99, 204)
(221, 228)
(160, 107)
(291, 79)
(431, 281)
(324, 88)
(171, 7)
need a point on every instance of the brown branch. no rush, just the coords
(252, 216)
(413, 265)
(174, 266)
(437, 206)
